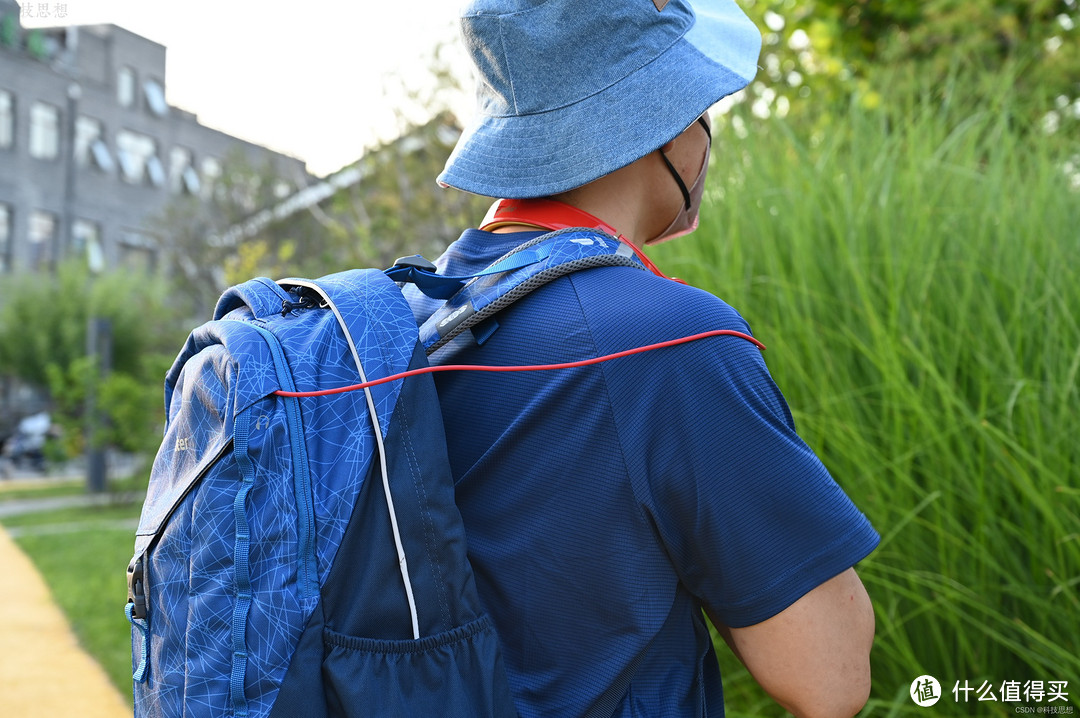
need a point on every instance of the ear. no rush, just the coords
(669, 146)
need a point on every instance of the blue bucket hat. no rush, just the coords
(571, 90)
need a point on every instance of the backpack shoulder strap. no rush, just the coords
(507, 280)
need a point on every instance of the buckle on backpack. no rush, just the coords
(415, 261)
(136, 576)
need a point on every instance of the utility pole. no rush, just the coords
(99, 348)
(98, 329)
(74, 93)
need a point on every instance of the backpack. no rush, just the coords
(299, 551)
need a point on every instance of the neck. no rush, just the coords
(511, 228)
(626, 202)
(516, 215)
(561, 212)
(626, 199)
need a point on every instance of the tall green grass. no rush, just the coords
(916, 278)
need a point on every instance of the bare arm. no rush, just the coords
(813, 657)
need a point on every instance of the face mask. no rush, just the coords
(686, 221)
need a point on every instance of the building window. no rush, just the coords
(44, 131)
(125, 87)
(211, 176)
(7, 120)
(138, 252)
(102, 157)
(155, 171)
(9, 30)
(42, 239)
(155, 97)
(86, 243)
(179, 162)
(5, 238)
(87, 132)
(182, 175)
(138, 158)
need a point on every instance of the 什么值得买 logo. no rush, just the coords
(925, 691)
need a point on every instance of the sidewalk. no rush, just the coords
(30, 506)
(43, 670)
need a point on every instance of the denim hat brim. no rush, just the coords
(545, 153)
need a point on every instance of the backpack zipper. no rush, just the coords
(309, 583)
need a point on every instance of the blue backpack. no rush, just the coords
(299, 550)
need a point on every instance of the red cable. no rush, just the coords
(535, 367)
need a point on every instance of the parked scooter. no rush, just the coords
(25, 449)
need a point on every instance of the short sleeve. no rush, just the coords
(748, 514)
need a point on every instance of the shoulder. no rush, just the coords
(625, 307)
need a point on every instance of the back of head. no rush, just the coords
(571, 90)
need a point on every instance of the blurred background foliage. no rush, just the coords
(44, 343)
(820, 53)
(916, 277)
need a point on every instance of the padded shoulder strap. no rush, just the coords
(494, 289)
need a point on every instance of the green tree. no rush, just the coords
(383, 206)
(835, 50)
(203, 234)
(396, 208)
(43, 342)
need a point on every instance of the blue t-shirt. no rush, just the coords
(606, 505)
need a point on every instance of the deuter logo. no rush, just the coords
(588, 241)
(457, 313)
(184, 443)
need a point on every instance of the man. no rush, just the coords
(607, 507)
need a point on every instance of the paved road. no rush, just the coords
(17, 507)
(44, 673)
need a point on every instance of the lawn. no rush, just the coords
(83, 555)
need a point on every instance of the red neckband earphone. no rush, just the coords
(554, 215)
